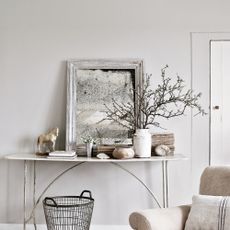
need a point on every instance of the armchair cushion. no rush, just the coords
(209, 212)
(160, 219)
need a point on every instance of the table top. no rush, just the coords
(34, 157)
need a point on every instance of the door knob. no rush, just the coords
(216, 107)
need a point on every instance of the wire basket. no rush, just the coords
(69, 212)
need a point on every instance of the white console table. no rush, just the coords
(82, 160)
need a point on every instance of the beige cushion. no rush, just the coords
(209, 213)
(160, 219)
(215, 181)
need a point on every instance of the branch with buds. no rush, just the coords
(168, 100)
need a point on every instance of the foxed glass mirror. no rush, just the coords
(92, 85)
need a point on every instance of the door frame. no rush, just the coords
(201, 82)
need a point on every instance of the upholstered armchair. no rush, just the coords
(215, 181)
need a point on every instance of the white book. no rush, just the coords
(62, 154)
(62, 157)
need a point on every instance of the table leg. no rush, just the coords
(36, 202)
(165, 183)
(25, 192)
(34, 193)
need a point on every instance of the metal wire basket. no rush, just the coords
(69, 212)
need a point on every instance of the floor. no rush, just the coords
(43, 227)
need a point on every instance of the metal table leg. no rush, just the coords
(25, 192)
(165, 183)
(34, 193)
(37, 201)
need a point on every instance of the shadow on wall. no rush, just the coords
(55, 115)
(12, 171)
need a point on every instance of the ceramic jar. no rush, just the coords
(123, 152)
(142, 143)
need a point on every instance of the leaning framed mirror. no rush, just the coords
(92, 87)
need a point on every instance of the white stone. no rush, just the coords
(162, 150)
(102, 156)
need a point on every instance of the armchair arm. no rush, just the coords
(160, 219)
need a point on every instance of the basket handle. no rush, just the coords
(49, 198)
(86, 191)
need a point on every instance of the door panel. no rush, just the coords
(220, 102)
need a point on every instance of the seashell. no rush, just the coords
(162, 150)
(123, 153)
(102, 156)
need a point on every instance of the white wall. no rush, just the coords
(37, 37)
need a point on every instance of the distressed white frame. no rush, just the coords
(87, 64)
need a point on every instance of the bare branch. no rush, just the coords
(168, 100)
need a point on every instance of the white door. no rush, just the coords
(220, 102)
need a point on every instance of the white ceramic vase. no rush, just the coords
(142, 143)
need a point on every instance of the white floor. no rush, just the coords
(43, 227)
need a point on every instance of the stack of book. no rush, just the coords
(107, 149)
(81, 150)
(62, 154)
(167, 139)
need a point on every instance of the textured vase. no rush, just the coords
(89, 148)
(142, 143)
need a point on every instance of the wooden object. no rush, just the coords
(167, 139)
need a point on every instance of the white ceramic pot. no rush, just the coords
(142, 143)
